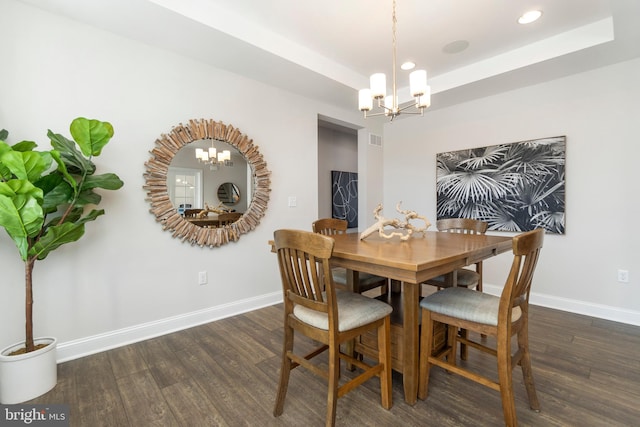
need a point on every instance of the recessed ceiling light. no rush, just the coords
(456, 46)
(530, 16)
(408, 65)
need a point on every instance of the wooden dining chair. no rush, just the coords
(330, 316)
(499, 317)
(191, 213)
(465, 277)
(366, 281)
(228, 218)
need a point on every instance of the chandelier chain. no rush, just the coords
(393, 60)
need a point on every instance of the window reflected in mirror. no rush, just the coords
(186, 189)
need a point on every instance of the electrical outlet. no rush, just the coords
(293, 202)
(202, 278)
(623, 276)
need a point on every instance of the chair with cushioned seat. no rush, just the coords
(366, 281)
(330, 316)
(499, 317)
(465, 277)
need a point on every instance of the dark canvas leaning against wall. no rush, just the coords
(344, 196)
(514, 187)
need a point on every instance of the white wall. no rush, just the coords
(599, 113)
(128, 279)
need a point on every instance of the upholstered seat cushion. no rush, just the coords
(354, 310)
(366, 279)
(466, 278)
(467, 304)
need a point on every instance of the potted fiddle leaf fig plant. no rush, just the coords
(46, 198)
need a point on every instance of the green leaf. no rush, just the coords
(24, 146)
(57, 196)
(58, 235)
(95, 213)
(73, 159)
(88, 197)
(91, 135)
(4, 147)
(108, 181)
(21, 212)
(62, 169)
(20, 187)
(11, 221)
(27, 165)
(48, 182)
(5, 173)
(73, 216)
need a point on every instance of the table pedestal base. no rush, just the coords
(367, 344)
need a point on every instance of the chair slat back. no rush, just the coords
(526, 251)
(303, 259)
(330, 226)
(462, 225)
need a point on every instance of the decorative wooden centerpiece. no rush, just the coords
(407, 229)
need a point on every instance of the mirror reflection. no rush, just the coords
(206, 178)
(229, 193)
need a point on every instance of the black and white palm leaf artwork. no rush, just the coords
(514, 187)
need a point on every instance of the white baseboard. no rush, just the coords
(97, 343)
(83, 347)
(600, 311)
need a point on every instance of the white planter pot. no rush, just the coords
(27, 376)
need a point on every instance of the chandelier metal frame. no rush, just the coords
(377, 91)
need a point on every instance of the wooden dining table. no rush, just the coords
(411, 262)
(207, 221)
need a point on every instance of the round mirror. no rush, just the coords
(178, 176)
(229, 193)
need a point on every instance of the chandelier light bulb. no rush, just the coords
(224, 155)
(418, 82)
(213, 157)
(424, 101)
(365, 101)
(378, 85)
(390, 105)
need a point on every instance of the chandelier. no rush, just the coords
(214, 158)
(389, 104)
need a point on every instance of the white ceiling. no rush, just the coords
(327, 49)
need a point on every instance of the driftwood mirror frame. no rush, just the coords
(157, 168)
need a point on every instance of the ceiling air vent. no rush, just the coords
(375, 140)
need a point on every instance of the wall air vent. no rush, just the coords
(375, 140)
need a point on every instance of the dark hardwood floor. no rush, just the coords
(587, 373)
